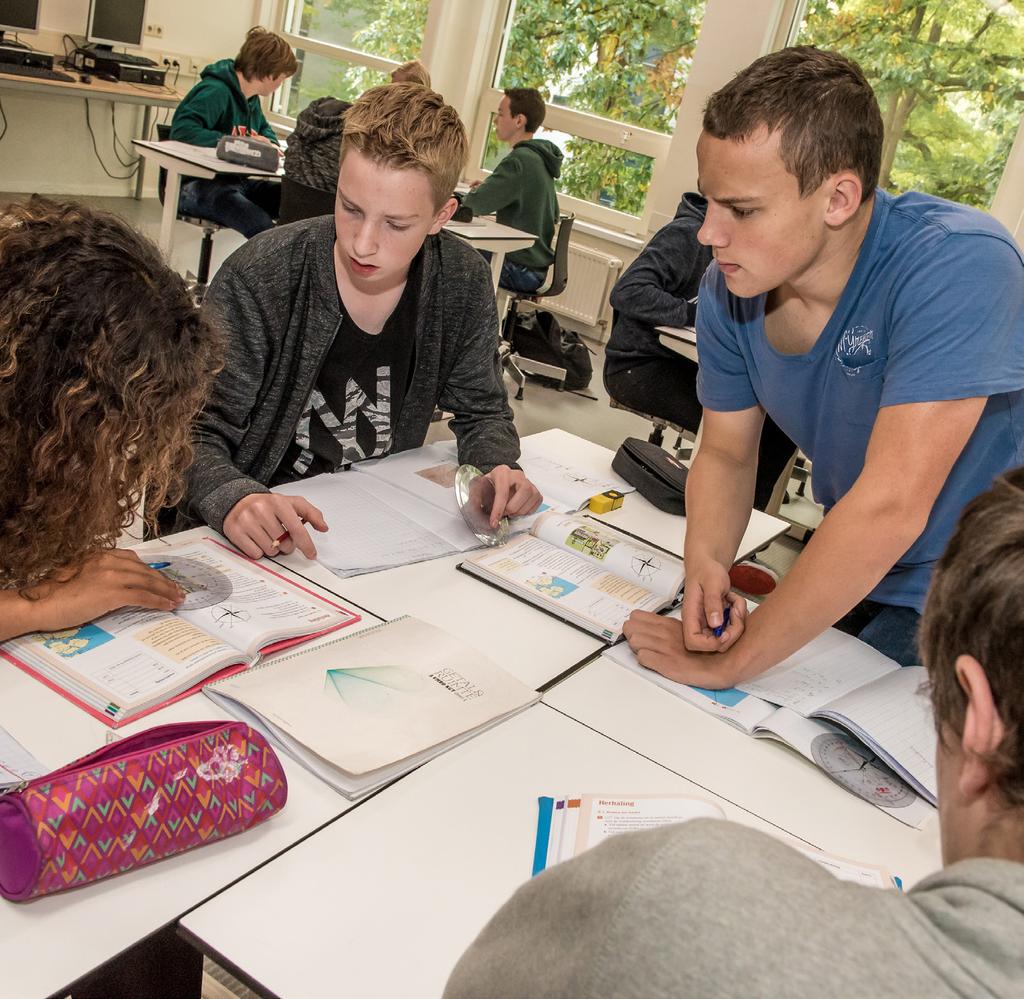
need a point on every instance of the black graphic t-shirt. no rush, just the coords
(351, 412)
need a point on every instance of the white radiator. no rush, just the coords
(591, 276)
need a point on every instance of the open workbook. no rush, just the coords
(568, 826)
(402, 509)
(582, 572)
(128, 663)
(366, 708)
(843, 705)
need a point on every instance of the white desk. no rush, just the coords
(383, 902)
(637, 515)
(103, 90)
(180, 159)
(681, 339)
(531, 645)
(47, 944)
(485, 233)
(762, 775)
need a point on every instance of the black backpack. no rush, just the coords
(539, 336)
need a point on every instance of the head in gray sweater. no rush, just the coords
(713, 909)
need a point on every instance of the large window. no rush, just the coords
(347, 46)
(613, 75)
(949, 76)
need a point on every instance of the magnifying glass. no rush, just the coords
(474, 493)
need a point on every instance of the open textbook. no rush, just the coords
(128, 663)
(843, 705)
(402, 509)
(582, 572)
(567, 826)
(364, 709)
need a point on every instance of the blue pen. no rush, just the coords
(717, 632)
(159, 565)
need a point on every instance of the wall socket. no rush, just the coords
(155, 30)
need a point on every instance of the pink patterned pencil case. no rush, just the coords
(147, 797)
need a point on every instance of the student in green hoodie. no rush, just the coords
(226, 101)
(521, 191)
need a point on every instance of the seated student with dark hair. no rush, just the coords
(660, 289)
(345, 333)
(226, 101)
(104, 362)
(521, 190)
(712, 908)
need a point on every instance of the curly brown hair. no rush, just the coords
(104, 363)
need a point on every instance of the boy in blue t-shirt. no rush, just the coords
(884, 335)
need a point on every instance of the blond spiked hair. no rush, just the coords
(405, 126)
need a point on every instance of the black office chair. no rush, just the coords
(199, 281)
(300, 201)
(517, 366)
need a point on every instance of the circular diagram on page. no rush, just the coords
(854, 766)
(204, 585)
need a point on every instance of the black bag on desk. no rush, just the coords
(657, 475)
(539, 336)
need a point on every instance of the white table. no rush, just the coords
(180, 159)
(681, 339)
(485, 233)
(762, 775)
(114, 92)
(47, 944)
(637, 515)
(383, 902)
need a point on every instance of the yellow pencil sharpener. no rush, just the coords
(610, 500)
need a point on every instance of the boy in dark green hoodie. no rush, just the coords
(521, 191)
(226, 101)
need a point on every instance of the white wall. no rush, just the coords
(47, 148)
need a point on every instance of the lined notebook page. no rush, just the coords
(827, 667)
(895, 714)
(365, 532)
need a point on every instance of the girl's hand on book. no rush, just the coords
(270, 524)
(107, 582)
(514, 494)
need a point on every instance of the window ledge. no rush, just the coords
(615, 236)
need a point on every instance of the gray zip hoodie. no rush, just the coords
(277, 300)
(713, 910)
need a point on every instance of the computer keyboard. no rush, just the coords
(35, 71)
(133, 60)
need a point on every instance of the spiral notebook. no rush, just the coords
(362, 710)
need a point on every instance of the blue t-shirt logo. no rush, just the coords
(855, 348)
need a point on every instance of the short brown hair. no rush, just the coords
(265, 54)
(822, 104)
(529, 103)
(412, 71)
(104, 363)
(405, 126)
(975, 607)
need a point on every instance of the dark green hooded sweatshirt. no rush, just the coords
(215, 106)
(521, 192)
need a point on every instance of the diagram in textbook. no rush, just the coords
(856, 768)
(205, 585)
(646, 567)
(228, 617)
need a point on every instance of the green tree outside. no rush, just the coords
(949, 76)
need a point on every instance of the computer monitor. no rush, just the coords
(18, 15)
(116, 22)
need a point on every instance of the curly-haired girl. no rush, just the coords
(104, 362)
